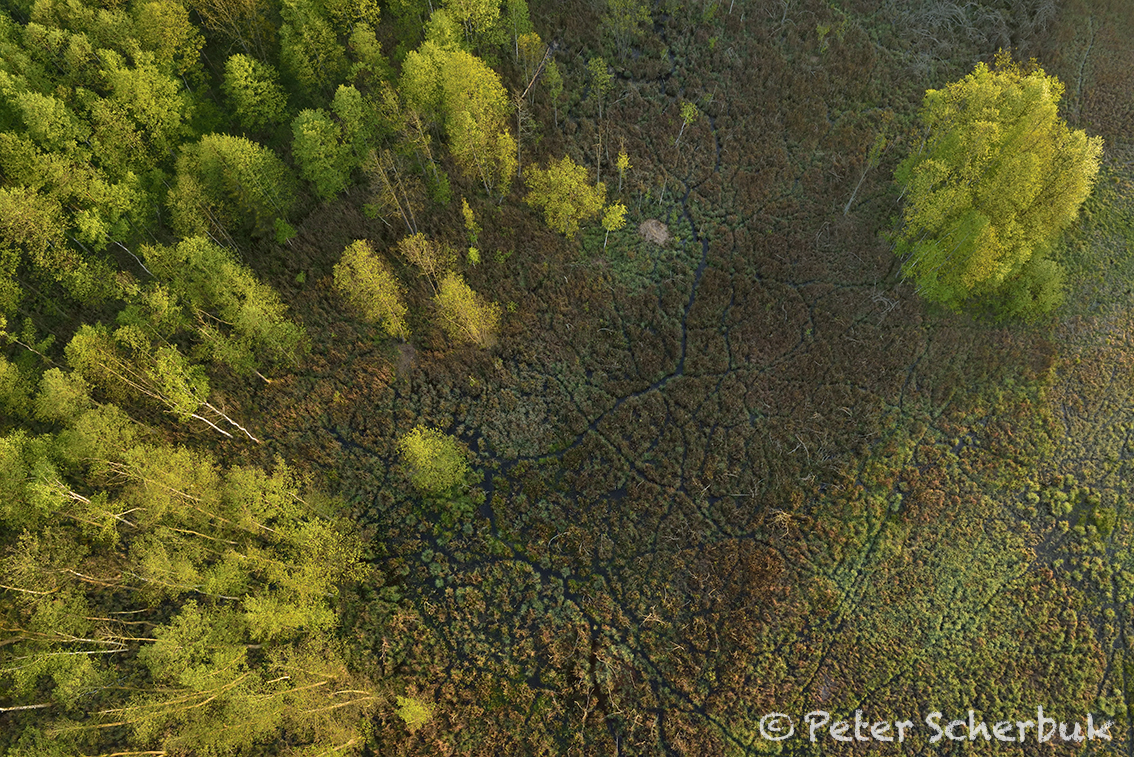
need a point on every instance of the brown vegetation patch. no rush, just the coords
(654, 231)
(406, 354)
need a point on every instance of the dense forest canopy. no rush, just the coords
(482, 377)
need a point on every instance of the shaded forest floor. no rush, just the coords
(750, 470)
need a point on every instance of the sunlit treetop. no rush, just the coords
(999, 177)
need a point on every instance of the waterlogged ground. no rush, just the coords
(749, 471)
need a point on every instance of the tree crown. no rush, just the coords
(999, 176)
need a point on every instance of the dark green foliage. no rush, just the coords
(370, 65)
(238, 320)
(1036, 291)
(310, 53)
(254, 92)
(248, 24)
(229, 186)
(358, 120)
(322, 159)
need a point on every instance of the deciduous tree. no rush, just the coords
(358, 121)
(393, 188)
(154, 101)
(1000, 175)
(476, 16)
(613, 220)
(518, 18)
(127, 365)
(202, 288)
(623, 166)
(464, 314)
(310, 52)
(565, 194)
(436, 461)
(254, 92)
(602, 82)
(554, 81)
(477, 109)
(240, 654)
(367, 282)
(164, 27)
(435, 259)
(322, 157)
(31, 227)
(228, 185)
(370, 67)
(247, 23)
(689, 114)
(624, 20)
(466, 95)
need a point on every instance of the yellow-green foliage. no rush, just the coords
(436, 461)
(565, 194)
(614, 219)
(13, 389)
(477, 16)
(689, 112)
(467, 96)
(465, 316)
(433, 258)
(253, 90)
(471, 226)
(228, 184)
(623, 166)
(366, 281)
(414, 712)
(1000, 176)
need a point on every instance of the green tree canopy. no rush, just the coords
(999, 177)
(433, 258)
(323, 159)
(624, 20)
(467, 96)
(233, 574)
(247, 23)
(465, 316)
(164, 27)
(366, 281)
(254, 92)
(477, 16)
(436, 461)
(126, 364)
(310, 52)
(228, 185)
(565, 194)
(154, 102)
(613, 219)
(202, 288)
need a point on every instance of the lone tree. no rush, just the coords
(565, 194)
(436, 461)
(465, 315)
(367, 282)
(1000, 175)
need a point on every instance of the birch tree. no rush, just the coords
(369, 285)
(999, 177)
